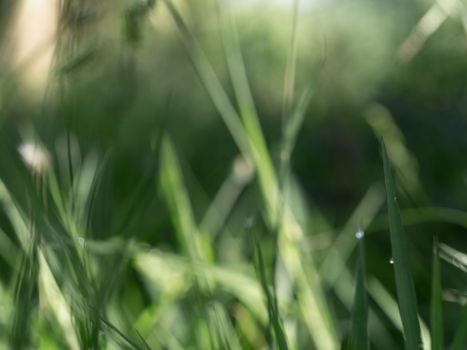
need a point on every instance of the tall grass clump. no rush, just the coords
(164, 194)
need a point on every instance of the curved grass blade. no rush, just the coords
(359, 339)
(406, 296)
(436, 303)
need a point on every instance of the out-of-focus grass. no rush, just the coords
(133, 217)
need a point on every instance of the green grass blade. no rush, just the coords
(436, 302)
(210, 81)
(248, 113)
(290, 70)
(26, 301)
(360, 340)
(404, 284)
(453, 256)
(176, 197)
(271, 302)
(402, 159)
(460, 338)
(250, 140)
(53, 296)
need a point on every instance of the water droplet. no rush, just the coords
(249, 222)
(359, 234)
(391, 260)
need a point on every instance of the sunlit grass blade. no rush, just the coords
(460, 337)
(453, 256)
(173, 275)
(248, 113)
(52, 295)
(359, 338)
(436, 302)
(406, 296)
(173, 278)
(427, 25)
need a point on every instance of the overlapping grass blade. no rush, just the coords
(406, 296)
(176, 197)
(271, 302)
(174, 275)
(25, 301)
(210, 81)
(436, 302)
(360, 338)
(26, 291)
(385, 301)
(248, 114)
(196, 245)
(57, 302)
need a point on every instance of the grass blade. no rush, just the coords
(461, 333)
(52, 295)
(25, 309)
(404, 283)
(210, 81)
(436, 304)
(271, 301)
(176, 196)
(360, 340)
(250, 140)
(248, 113)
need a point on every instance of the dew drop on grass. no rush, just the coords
(391, 260)
(359, 234)
(249, 222)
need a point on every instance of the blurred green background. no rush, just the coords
(119, 83)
